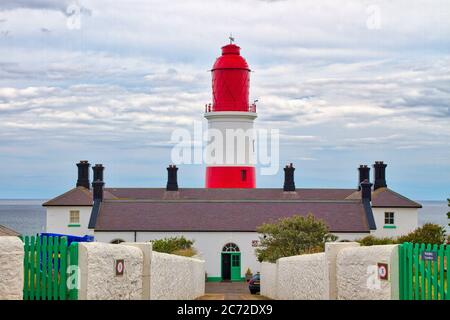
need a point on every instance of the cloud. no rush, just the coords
(336, 90)
(56, 5)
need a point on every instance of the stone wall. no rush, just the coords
(357, 277)
(11, 268)
(269, 280)
(98, 274)
(344, 271)
(176, 278)
(302, 277)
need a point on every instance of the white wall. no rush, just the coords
(58, 220)
(269, 281)
(357, 277)
(208, 244)
(176, 278)
(345, 271)
(98, 274)
(302, 277)
(350, 236)
(405, 220)
(11, 268)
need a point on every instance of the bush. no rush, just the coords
(292, 236)
(429, 233)
(190, 252)
(373, 241)
(174, 245)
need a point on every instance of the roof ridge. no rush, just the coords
(231, 200)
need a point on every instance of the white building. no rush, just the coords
(222, 222)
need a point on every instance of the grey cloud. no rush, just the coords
(57, 5)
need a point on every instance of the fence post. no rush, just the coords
(32, 267)
(63, 269)
(447, 255)
(74, 275)
(38, 268)
(49, 263)
(44, 268)
(416, 272)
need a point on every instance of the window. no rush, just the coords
(230, 247)
(74, 217)
(117, 241)
(244, 175)
(235, 261)
(388, 218)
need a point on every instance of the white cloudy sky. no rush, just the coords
(342, 90)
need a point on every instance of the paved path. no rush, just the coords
(229, 291)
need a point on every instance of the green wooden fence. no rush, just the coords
(424, 279)
(48, 265)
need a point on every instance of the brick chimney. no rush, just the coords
(289, 184)
(364, 174)
(379, 175)
(366, 190)
(98, 172)
(172, 179)
(83, 174)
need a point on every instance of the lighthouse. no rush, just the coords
(231, 117)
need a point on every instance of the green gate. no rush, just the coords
(424, 273)
(50, 269)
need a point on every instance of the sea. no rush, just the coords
(28, 216)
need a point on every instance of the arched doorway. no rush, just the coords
(231, 262)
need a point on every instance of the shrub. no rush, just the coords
(429, 233)
(174, 245)
(292, 236)
(189, 252)
(372, 241)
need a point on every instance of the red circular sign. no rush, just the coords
(120, 266)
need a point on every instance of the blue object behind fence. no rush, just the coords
(70, 238)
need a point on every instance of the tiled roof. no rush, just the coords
(200, 209)
(5, 231)
(80, 196)
(214, 215)
(386, 198)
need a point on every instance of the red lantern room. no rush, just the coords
(230, 81)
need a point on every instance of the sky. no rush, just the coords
(345, 82)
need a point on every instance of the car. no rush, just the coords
(253, 284)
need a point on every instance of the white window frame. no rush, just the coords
(389, 216)
(74, 217)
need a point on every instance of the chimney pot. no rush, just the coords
(379, 175)
(83, 174)
(364, 174)
(98, 172)
(172, 179)
(289, 184)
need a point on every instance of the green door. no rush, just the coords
(235, 266)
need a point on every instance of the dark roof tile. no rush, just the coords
(340, 216)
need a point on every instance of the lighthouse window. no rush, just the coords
(244, 175)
